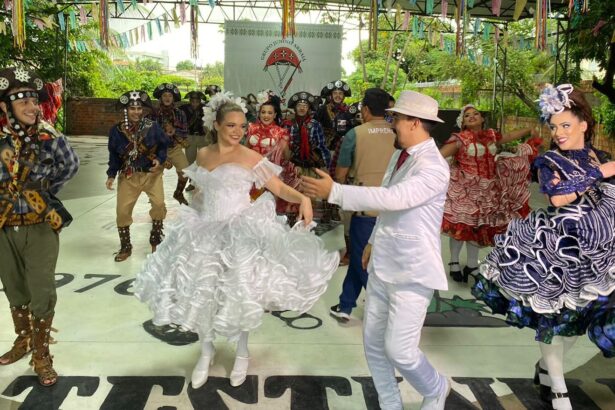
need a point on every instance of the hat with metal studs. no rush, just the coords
(336, 85)
(167, 88)
(302, 96)
(135, 98)
(212, 89)
(29, 84)
(196, 95)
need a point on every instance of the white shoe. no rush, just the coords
(240, 371)
(560, 401)
(437, 402)
(201, 370)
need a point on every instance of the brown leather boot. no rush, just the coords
(178, 195)
(156, 235)
(125, 245)
(23, 344)
(42, 361)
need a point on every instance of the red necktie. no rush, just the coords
(402, 158)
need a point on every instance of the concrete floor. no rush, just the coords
(106, 359)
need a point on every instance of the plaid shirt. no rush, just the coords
(317, 141)
(57, 162)
(177, 119)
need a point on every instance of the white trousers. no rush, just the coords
(393, 319)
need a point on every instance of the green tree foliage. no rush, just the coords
(213, 74)
(44, 51)
(592, 38)
(185, 65)
(423, 62)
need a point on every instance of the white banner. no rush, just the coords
(257, 58)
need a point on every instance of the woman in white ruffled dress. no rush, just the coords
(228, 259)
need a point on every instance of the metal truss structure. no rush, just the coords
(350, 13)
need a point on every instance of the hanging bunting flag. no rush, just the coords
(444, 8)
(83, 15)
(471, 3)
(175, 18)
(519, 6)
(103, 23)
(167, 28)
(73, 19)
(194, 31)
(182, 11)
(471, 56)
(422, 29)
(415, 26)
(18, 24)
(486, 31)
(497, 34)
(143, 32)
(496, 5)
(429, 7)
(134, 3)
(159, 26)
(150, 35)
(120, 5)
(61, 21)
(406, 23)
(288, 18)
(476, 29)
(441, 41)
(486, 61)
(137, 40)
(95, 11)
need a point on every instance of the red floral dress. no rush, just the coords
(486, 191)
(269, 141)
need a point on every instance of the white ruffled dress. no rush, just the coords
(228, 259)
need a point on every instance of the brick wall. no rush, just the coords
(92, 116)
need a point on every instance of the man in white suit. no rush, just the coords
(405, 265)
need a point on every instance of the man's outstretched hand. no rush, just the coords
(317, 187)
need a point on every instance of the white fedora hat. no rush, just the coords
(416, 105)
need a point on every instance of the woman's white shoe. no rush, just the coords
(201, 370)
(240, 371)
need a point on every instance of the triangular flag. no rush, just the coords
(73, 19)
(61, 21)
(519, 6)
(83, 15)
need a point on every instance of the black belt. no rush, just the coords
(40, 185)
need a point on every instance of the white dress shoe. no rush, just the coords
(437, 402)
(240, 371)
(201, 371)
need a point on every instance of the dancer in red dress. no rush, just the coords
(486, 190)
(269, 139)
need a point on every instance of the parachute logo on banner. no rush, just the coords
(282, 65)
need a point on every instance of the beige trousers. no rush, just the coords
(129, 190)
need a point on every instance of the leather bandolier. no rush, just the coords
(44, 206)
(136, 148)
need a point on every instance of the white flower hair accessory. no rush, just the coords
(463, 110)
(554, 100)
(263, 97)
(217, 101)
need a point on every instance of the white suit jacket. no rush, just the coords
(406, 238)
